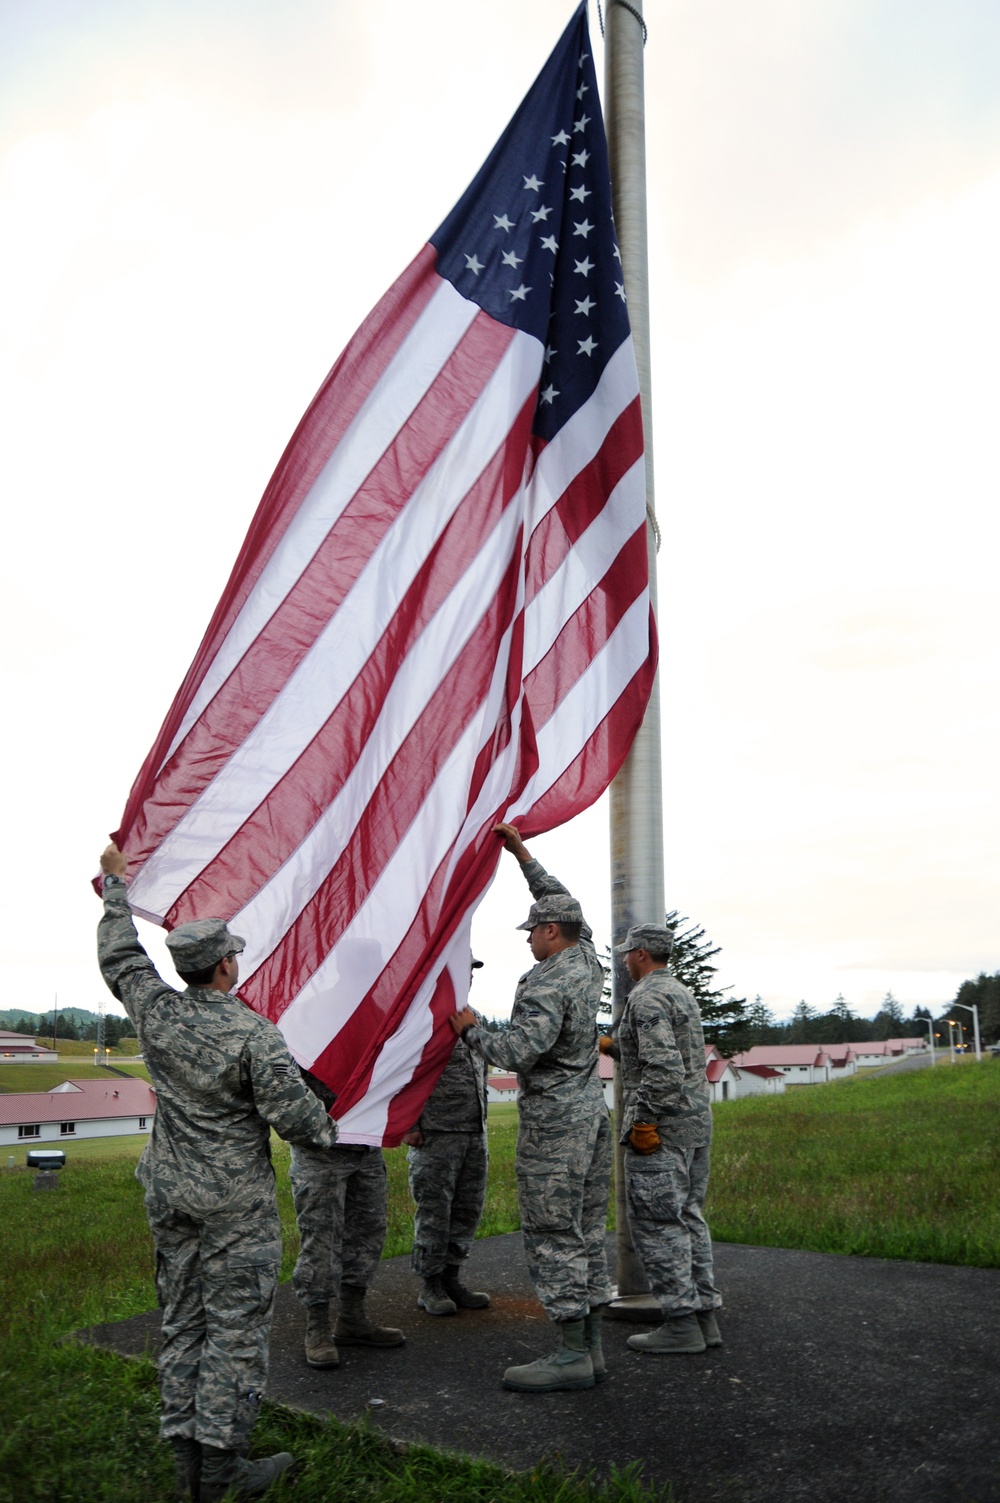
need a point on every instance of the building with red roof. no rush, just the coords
(800, 1064)
(22, 1048)
(77, 1109)
(501, 1085)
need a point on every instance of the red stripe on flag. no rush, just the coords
(587, 630)
(584, 499)
(586, 777)
(347, 1062)
(406, 1106)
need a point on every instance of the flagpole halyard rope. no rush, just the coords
(645, 38)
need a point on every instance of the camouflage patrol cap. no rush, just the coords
(554, 908)
(655, 939)
(196, 946)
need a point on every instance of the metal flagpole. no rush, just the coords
(637, 888)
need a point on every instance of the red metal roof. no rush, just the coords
(91, 1101)
(501, 1082)
(782, 1054)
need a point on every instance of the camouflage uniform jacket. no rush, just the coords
(458, 1101)
(662, 1051)
(551, 1041)
(223, 1078)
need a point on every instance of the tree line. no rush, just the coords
(68, 1023)
(840, 1025)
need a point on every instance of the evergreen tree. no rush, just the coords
(761, 1027)
(838, 1026)
(889, 1021)
(983, 993)
(65, 1027)
(802, 1027)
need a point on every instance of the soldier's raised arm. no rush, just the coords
(541, 882)
(130, 975)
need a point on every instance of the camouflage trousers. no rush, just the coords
(563, 1181)
(215, 1280)
(340, 1206)
(448, 1185)
(665, 1192)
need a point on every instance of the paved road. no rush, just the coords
(842, 1380)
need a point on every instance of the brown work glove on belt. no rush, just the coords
(644, 1137)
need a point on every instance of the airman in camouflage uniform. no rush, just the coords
(448, 1161)
(667, 1129)
(223, 1078)
(340, 1197)
(564, 1151)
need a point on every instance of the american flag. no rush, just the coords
(439, 619)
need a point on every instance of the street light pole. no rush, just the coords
(951, 1039)
(930, 1029)
(975, 1023)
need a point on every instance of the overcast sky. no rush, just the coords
(200, 203)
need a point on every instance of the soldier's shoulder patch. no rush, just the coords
(288, 1069)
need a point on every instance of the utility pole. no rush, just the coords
(929, 1024)
(637, 887)
(975, 1023)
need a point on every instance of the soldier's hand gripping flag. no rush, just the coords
(439, 620)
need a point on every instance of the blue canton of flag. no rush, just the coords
(532, 240)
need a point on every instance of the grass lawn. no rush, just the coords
(893, 1166)
(44, 1077)
(890, 1166)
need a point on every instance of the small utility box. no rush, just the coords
(46, 1161)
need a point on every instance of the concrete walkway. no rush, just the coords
(842, 1380)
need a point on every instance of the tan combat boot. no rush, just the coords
(569, 1367)
(321, 1350)
(226, 1474)
(353, 1327)
(187, 1467)
(709, 1328)
(434, 1298)
(465, 1299)
(592, 1336)
(678, 1336)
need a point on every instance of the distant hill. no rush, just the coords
(71, 1022)
(9, 1016)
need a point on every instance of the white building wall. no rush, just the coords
(749, 1084)
(50, 1132)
